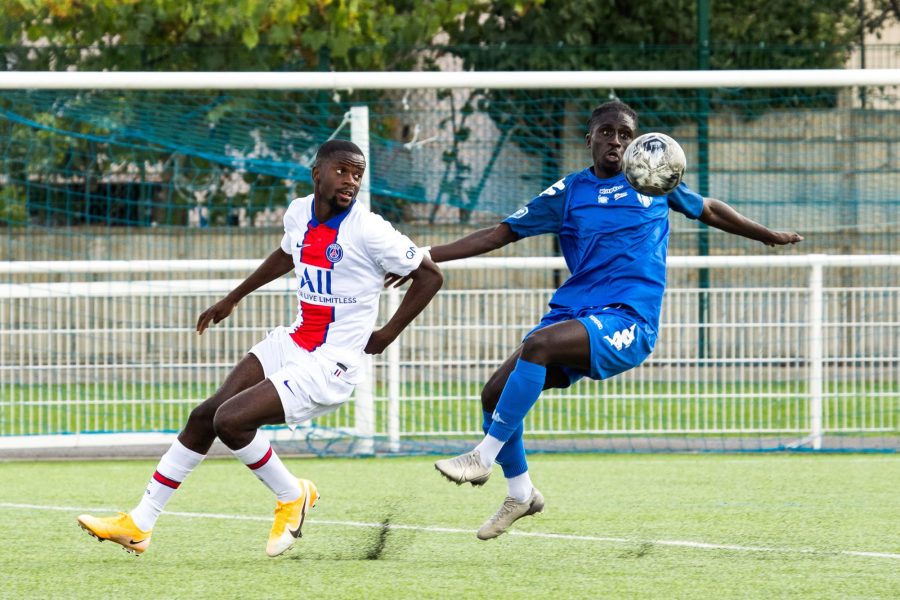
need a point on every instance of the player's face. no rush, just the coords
(607, 139)
(337, 180)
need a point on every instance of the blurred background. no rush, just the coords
(104, 175)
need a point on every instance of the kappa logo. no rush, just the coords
(621, 339)
(496, 417)
(555, 188)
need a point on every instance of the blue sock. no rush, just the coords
(512, 455)
(519, 394)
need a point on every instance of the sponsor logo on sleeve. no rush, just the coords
(555, 188)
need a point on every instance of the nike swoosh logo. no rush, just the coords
(296, 532)
(288, 386)
(302, 245)
(137, 541)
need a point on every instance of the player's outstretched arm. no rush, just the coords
(277, 264)
(426, 281)
(721, 216)
(474, 244)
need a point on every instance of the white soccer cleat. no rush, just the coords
(464, 468)
(289, 517)
(511, 511)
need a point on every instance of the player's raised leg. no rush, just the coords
(522, 498)
(457, 469)
(561, 344)
(237, 424)
(133, 530)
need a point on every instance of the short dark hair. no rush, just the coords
(332, 147)
(613, 106)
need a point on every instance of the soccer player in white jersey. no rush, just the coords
(604, 318)
(340, 252)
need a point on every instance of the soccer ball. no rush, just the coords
(654, 164)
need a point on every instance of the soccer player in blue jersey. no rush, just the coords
(604, 319)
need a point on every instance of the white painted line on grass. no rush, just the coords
(429, 529)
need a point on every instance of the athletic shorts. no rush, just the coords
(307, 387)
(620, 340)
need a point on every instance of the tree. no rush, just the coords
(648, 35)
(271, 34)
(209, 35)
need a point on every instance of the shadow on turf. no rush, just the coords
(372, 548)
(640, 551)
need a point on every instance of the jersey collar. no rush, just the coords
(589, 173)
(335, 221)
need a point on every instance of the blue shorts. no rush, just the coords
(620, 340)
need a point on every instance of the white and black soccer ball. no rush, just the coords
(654, 164)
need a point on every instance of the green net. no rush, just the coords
(72, 161)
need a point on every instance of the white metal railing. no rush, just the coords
(68, 345)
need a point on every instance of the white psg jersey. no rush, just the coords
(340, 266)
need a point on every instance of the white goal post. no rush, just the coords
(370, 80)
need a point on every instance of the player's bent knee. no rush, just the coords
(537, 348)
(225, 424)
(202, 414)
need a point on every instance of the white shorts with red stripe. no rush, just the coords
(308, 387)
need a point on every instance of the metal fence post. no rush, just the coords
(816, 353)
(365, 401)
(393, 378)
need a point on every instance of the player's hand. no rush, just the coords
(392, 279)
(378, 341)
(782, 238)
(215, 313)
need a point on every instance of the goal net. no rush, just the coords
(130, 205)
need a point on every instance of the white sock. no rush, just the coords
(520, 487)
(265, 464)
(489, 448)
(174, 466)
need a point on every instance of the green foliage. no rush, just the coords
(288, 33)
(609, 32)
(211, 35)
(613, 35)
(13, 207)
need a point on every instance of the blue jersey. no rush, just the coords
(613, 238)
